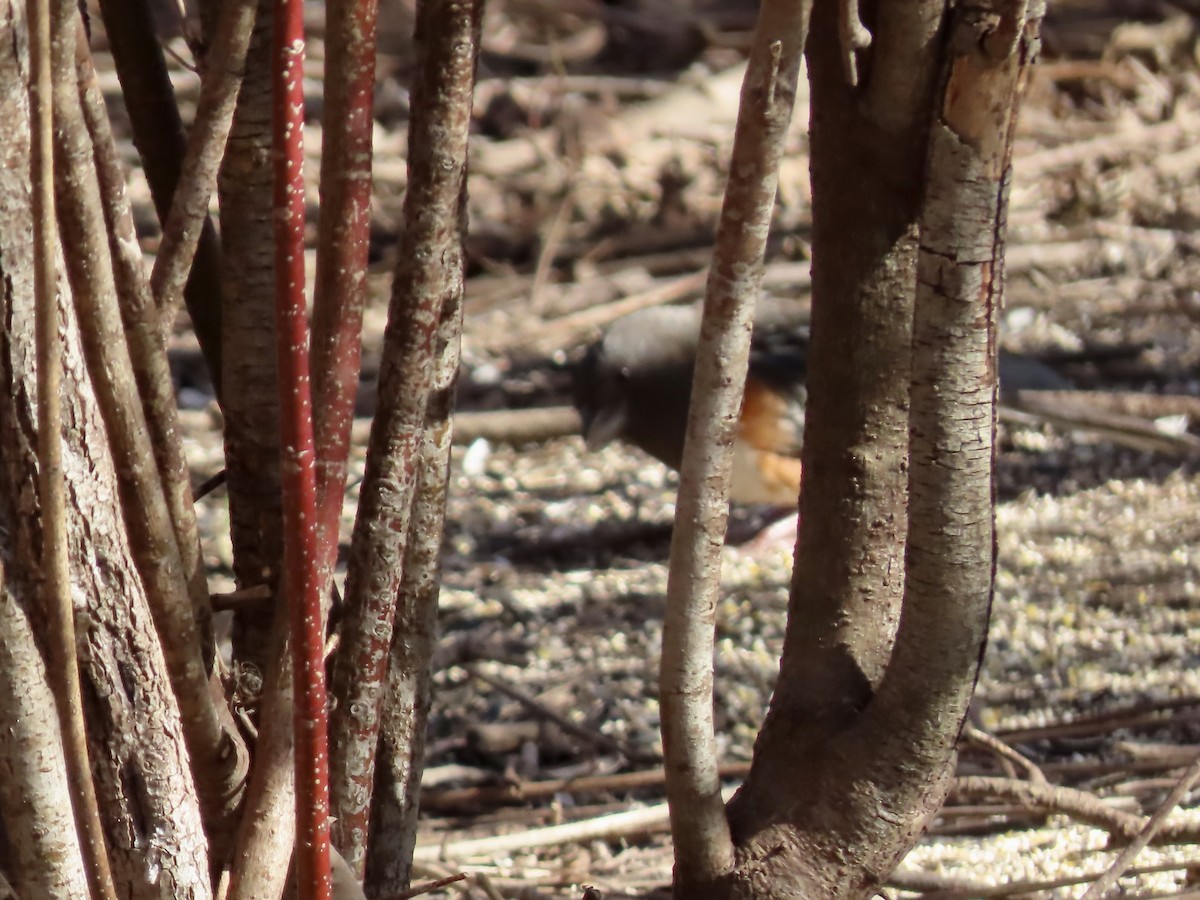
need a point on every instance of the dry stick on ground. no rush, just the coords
(428, 261)
(490, 794)
(1081, 805)
(1135, 716)
(405, 714)
(146, 516)
(703, 845)
(1109, 147)
(301, 582)
(516, 426)
(653, 819)
(159, 137)
(590, 736)
(936, 887)
(185, 224)
(1004, 751)
(55, 564)
(567, 330)
(636, 821)
(430, 886)
(1146, 835)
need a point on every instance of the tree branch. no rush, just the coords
(703, 846)
(429, 269)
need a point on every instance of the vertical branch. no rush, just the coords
(159, 138)
(55, 565)
(186, 224)
(430, 258)
(342, 243)
(951, 545)
(301, 582)
(703, 848)
(146, 516)
(266, 834)
(249, 343)
(409, 691)
(146, 350)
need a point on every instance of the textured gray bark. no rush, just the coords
(883, 642)
(147, 796)
(34, 801)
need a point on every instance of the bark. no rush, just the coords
(159, 137)
(301, 580)
(147, 519)
(923, 699)
(34, 800)
(139, 762)
(868, 146)
(187, 224)
(878, 751)
(55, 563)
(267, 831)
(342, 244)
(248, 339)
(429, 269)
(409, 694)
(147, 353)
(703, 848)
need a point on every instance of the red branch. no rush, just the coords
(341, 252)
(298, 458)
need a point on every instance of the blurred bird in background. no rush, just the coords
(634, 385)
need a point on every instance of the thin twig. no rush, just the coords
(1004, 751)
(55, 563)
(184, 225)
(588, 735)
(430, 886)
(1146, 835)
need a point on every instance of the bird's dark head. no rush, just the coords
(634, 383)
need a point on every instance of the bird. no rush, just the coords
(634, 385)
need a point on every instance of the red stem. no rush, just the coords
(342, 240)
(298, 458)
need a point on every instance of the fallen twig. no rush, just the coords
(1152, 827)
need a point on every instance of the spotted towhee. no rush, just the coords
(635, 385)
